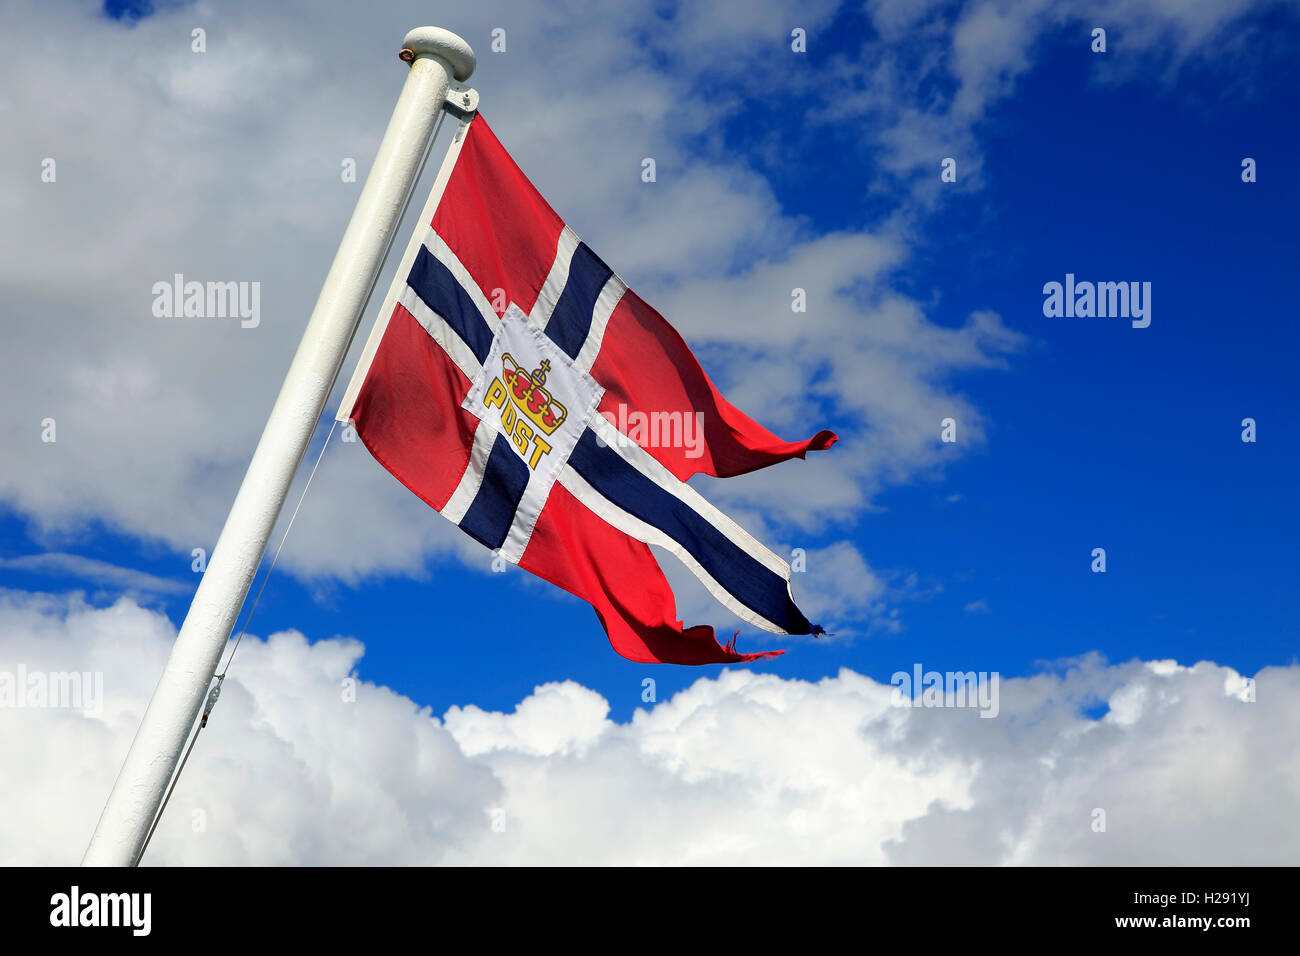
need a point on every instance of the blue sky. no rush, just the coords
(1098, 434)
(775, 170)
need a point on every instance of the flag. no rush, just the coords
(520, 388)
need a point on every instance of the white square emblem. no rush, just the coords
(532, 393)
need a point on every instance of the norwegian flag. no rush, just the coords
(493, 387)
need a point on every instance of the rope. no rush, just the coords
(215, 692)
(167, 799)
(276, 557)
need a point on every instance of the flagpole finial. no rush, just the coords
(435, 41)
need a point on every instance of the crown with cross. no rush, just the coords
(530, 397)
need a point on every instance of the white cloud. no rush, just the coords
(741, 767)
(931, 73)
(93, 570)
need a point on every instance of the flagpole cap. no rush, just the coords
(442, 43)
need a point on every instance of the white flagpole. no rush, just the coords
(436, 57)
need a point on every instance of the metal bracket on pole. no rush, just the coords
(462, 104)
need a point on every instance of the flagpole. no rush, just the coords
(436, 57)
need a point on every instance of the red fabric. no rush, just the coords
(499, 226)
(618, 576)
(646, 367)
(505, 234)
(408, 411)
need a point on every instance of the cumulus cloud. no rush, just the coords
(1190, 764)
